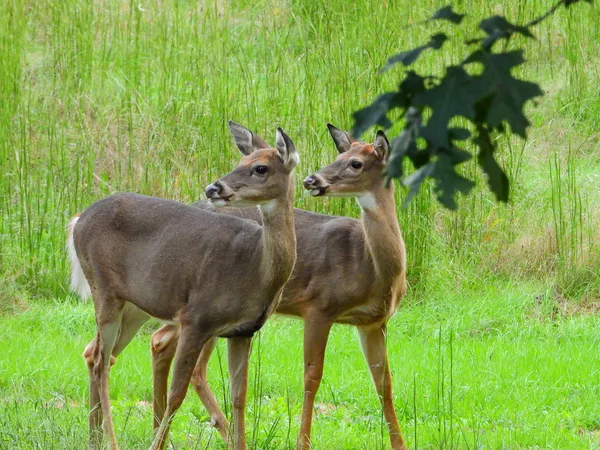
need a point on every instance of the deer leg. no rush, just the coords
(200, 384)
(238, 350)
(109, 324)
(372, 340)
(188, 349)
(163, 345)
(133, 318)
(316, 332)
(90, 354)
(132, 321)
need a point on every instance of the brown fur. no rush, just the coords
(213, 274)
(347, 271)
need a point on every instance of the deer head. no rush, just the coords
(263, 173)
(357, 171)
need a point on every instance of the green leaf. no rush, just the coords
(459, 134)
(411, 85)
(490, 100)
(494, 23)
(449, 182)
(506, 94)
(421, 157)
(403, 145)
(375, 113)
(491, 39)
(457, 155)
(414, 181)
(446, 13)
(571, 2)
(497, 179)
(410, 56)
(453, 97)
(497, 27)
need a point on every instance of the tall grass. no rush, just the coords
(112, 96)
(573, 237)
(101, 97)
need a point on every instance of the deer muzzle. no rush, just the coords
(218, 193)
(315, 184)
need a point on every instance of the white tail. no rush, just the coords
(211, 274)
(78, 282)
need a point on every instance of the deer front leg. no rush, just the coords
(238, 350)
(188, 349)
(200, 384)
(372, 340)
(163, 345)
(316, 332)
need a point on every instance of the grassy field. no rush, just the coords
(497, 343)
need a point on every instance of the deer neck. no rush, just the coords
(279, 237)
(383, 236)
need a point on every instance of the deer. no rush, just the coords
(348, 271)
(209, 274)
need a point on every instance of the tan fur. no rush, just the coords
(348, 271)
(213, 274)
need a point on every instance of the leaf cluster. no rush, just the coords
(481, 89)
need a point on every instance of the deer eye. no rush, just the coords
(356, 164)
(261, 170)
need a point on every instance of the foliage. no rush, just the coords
(481, 89)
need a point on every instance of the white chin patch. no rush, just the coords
(217, 202)
(267, 206)
(315, 192)
(366, 201)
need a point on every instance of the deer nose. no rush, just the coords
(309, 182)
(213, 190)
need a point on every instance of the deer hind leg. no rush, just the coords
(90, 354)
(200, 384)
(372, 340)
(132, 321)
(238, 351)
(316, 332)
(163, 345)
(188, 349)
(108, 320)
(133, 318)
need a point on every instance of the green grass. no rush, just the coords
(492, 368)
(495, 346)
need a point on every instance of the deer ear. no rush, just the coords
(245, 139)
(381, 146)
(343, 141)
(286, 149)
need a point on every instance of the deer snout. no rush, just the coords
(213, 190)
(315, 184)
(309, 182)
(218, 193)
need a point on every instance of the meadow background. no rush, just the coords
(497, 343)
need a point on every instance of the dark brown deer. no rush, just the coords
(210, 274)
(348, 271)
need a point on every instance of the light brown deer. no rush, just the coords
(210, 274)
(348, 271)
